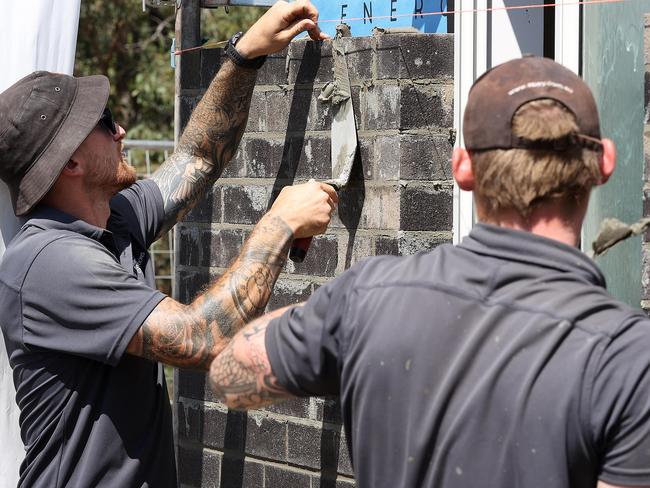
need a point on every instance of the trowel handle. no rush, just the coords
(299, 249)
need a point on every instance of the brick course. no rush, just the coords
(398, 202)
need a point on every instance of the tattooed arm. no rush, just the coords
(208, 142)
(191, 336)
(217, 124)
(241, 375)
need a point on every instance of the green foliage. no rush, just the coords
(131, 47)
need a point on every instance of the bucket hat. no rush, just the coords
(44, 118)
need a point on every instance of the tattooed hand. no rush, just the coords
(306, 208)
(275, 29)
(241, 375)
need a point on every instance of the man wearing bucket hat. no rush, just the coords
(499, 362)
(84, 328)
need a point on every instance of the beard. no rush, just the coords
(125, 175)
(111, 176)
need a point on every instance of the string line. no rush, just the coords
(212, 44)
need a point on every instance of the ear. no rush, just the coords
(72, 168)
(607, 160)
(461, 167)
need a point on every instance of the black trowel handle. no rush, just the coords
(299, 249)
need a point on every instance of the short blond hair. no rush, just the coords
(522, 179)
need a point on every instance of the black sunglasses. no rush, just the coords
(107, 121)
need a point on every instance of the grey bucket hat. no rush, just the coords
(44, 118)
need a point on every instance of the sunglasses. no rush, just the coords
(107, 121)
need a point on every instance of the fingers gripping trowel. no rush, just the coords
(344, 129)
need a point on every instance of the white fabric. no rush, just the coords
(35, 35)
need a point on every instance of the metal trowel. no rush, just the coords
(344, 130)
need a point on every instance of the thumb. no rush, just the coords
(300, 26)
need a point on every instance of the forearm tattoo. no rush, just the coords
(208, 143)
(241, 376)
(191, 336)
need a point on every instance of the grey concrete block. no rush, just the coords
(425, 157)
(387, 245)
(426, 208)
(198, 467)
(258, 115)
(240, 473)
(220, 247)
(321, 260)
(296, 407)
(244, 204)
(274, 71)
(190, 422)
(236, 168)
(277, 477)
(189, 249)
(314, 447)
(289, 292)
(381, 208)
(426, 106)
(208, 208)
(359, 56)
(388, 150)
(310, 62)
(414, 242)
(266, 437)
(368, 154)
(380, 107)
(415, 56)
(264, 156)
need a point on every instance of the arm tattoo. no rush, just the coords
(208, 143)
(241, 375)
(191, 336)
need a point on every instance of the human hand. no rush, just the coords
(306, 208)
(275, 29)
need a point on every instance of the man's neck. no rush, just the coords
(94, 211)
(550, 221)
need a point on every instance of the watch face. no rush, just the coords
(234, 39)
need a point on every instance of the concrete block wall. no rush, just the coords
(645, 278)
(398, 202)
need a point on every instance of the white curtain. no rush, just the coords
(35, 35)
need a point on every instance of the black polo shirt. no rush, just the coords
(72, 296)
(500, 362)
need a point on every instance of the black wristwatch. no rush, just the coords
(238, 59)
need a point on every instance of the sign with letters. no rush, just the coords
(364, 15)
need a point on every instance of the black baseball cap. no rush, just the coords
(44, 118)
(500, 92)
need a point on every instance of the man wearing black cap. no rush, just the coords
(499, 362)
(76, 283)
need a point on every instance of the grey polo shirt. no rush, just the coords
(501, 362)
(72, 296)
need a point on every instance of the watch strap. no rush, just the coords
(238, 59)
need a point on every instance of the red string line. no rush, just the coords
(448, 12)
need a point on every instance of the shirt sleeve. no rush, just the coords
(620, 407)
(141, 206)
(77, 299)
(305, 346)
